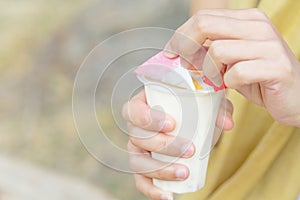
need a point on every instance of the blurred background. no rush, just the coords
(42, 45)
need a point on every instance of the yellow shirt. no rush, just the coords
(259, 159)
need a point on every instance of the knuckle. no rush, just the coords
(200, 12)
(279, 52)
(216, 50)
(134, 142)
(129, 146)
(130, 128)
(285, 68)
(131, 159)
(259, 13)
(289, 71)
(275, 45)
(266, 25)
(201, 23)
(160, 174)
(268, 30)
(144, 119)
(162, 144)
(125, 110)
(179, 34)
(131, 163)
(203, 12)
(283, 65)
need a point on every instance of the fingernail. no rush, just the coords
(181, 173)
(166, 197)
(188, 150)
(170, 55)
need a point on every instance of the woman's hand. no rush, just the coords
(148, 128)
(248, 54)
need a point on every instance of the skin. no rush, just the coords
(148, 128)
(266, 72)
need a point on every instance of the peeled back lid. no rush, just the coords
(162, 69)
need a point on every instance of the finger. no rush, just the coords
(145, 185)
(203, 27)
(195, 54)
(243, 14)
(142, 163)
(137, 112)
(161, 143)
(190, 36)
(249, 72)
(225, 52)
(224, 118)
(222, 53)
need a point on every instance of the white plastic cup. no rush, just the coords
(195, 114)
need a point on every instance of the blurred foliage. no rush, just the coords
(42, 46)
(24, 24)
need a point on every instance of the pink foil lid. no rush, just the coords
(153, 68)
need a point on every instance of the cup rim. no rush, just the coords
(167, 88)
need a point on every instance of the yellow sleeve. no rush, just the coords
(259, 158)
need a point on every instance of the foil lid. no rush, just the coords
(162, 69)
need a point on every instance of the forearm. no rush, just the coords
(200, 4)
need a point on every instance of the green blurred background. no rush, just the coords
(42, 44)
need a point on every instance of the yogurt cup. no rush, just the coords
(195, 114)
(194, 102)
